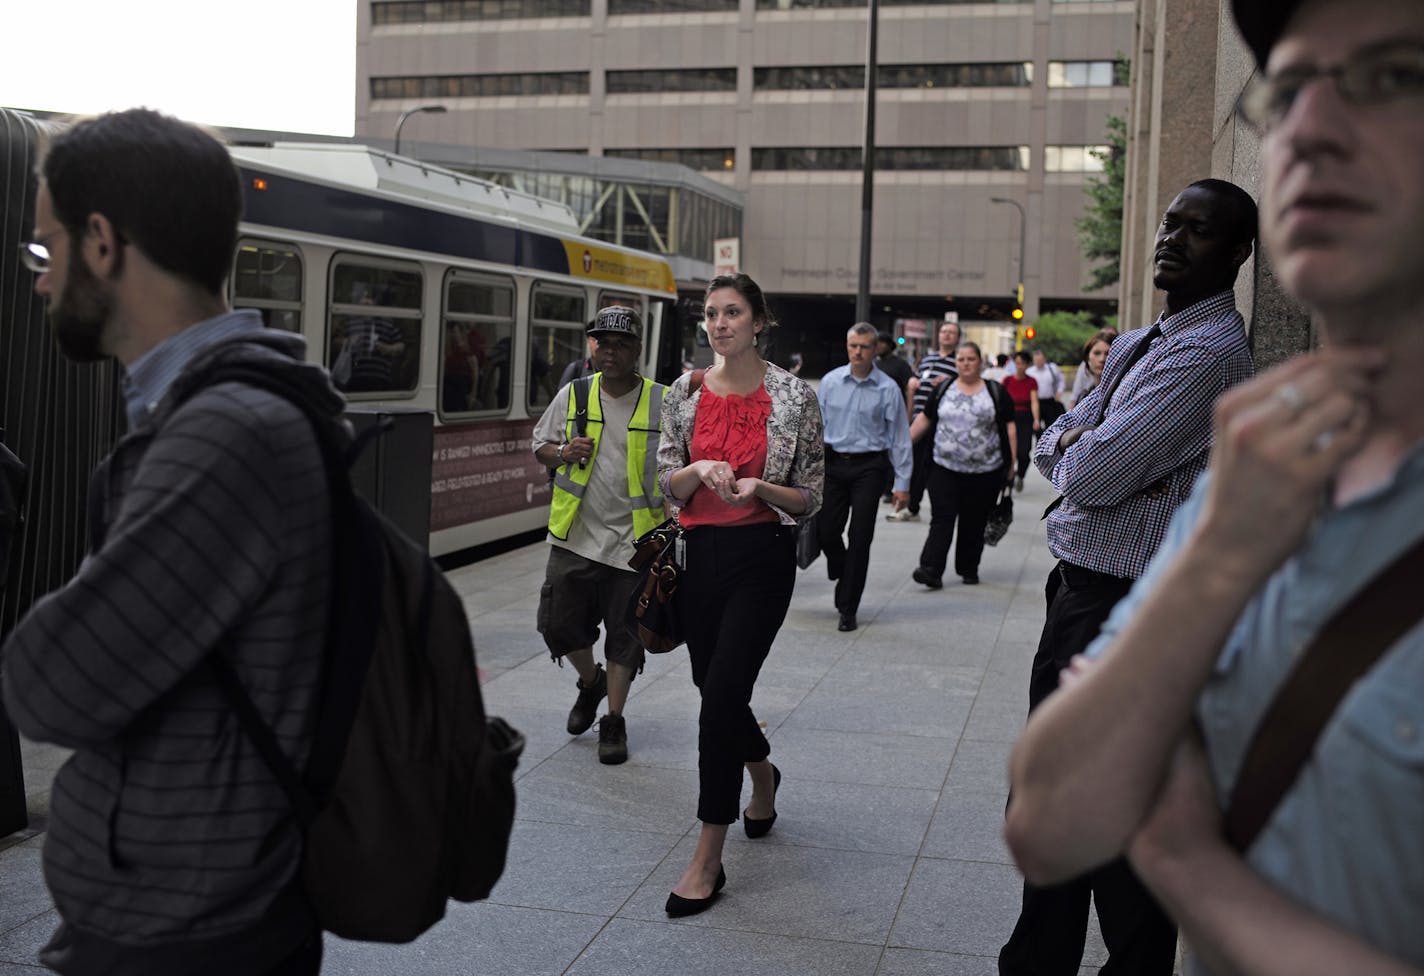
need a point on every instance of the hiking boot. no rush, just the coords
(612, 740)
(585, 709)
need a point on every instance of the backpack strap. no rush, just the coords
(581, 389)
(694, 382)
(1347, 647)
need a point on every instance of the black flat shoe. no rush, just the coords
(760, 828)
(680, 907)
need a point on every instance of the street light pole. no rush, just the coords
(419, 109)
(867, 171)
(1023, 234)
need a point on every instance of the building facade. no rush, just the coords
(976, 101)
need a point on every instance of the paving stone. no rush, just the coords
(968, 826)
(896, 698)
(872, 758)
(794, 891)
(846, 816)
(581, 791)
(980, 766)
(480, 938)
(22, 891)
(22, 943)
(922, 962)
(590, 870)
(629, 947)
(966, 907)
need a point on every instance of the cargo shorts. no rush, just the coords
(579, 594)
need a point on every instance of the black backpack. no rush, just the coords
(407, 799)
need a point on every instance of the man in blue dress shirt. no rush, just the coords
(867, 435)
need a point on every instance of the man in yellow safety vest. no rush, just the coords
(600, 435)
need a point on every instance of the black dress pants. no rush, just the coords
(853, 486)
(1023, 435)
(734, 593)
(968, 499)
(922, 456)
(1053, 922)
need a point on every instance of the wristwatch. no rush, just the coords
(561, 451)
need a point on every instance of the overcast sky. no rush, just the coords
(259, 64)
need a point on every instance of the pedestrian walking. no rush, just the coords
(1050, 384)
(742, 456)
(171, 847)
(971, 424)
(867, 442)
(1023, 389)
(936, 367)
(600, 436)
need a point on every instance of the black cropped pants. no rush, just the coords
(733, 596)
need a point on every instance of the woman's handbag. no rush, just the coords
(1000, 518)
(808, 541)
(652, 618)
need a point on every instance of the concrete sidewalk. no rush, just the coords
(886, 859)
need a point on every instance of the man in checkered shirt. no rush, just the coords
(1123, 460)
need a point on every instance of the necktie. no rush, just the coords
(1137, 353)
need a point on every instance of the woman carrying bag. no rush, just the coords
(742, 457)
(973, 425)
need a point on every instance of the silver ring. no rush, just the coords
(1290, 397)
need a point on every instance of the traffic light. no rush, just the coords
(1017, 313)
(1030, 333)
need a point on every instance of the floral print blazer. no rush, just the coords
(795, 445)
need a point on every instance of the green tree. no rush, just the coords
(1060, 336)
(1100, 229)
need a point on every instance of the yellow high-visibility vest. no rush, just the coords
(644, 432)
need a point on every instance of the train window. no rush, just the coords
(374, 336)
(268, 277)
(479, 336)
(556, 339)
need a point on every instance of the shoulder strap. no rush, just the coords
(581, 386)
(1349, 644)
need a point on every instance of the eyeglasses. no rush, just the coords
(35, 256)
(1380, 77)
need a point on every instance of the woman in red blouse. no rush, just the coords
(1024, 389)
(742, 457)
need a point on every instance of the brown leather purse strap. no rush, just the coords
(1349, 644)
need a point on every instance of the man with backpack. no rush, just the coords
(171, 847)
(600, 436)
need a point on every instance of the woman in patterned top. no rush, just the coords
(974, 454)
(742, 458)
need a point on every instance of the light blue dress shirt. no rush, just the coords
(866, 415)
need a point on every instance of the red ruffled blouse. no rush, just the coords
(731, 429)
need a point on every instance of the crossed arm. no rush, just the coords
(1108, 765)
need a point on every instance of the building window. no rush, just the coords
(823, 4)
(1086, 74)
(992, 74)
(481, 86)
(719, 160)
(1074, 159)
(616, 7)
(268, 277)
(686, 79)
(826, 77)
(932, 158)
(385, 12)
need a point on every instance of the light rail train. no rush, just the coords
(420, 288)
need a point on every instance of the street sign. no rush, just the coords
(726, 256)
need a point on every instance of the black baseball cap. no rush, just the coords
(1261, 23)
(617, 318)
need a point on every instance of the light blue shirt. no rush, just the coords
(866, 415)
(1347, 841)
(150, 375)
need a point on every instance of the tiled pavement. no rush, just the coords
(886, 859)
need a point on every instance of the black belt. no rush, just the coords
(831, 452)
(1080, 576)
